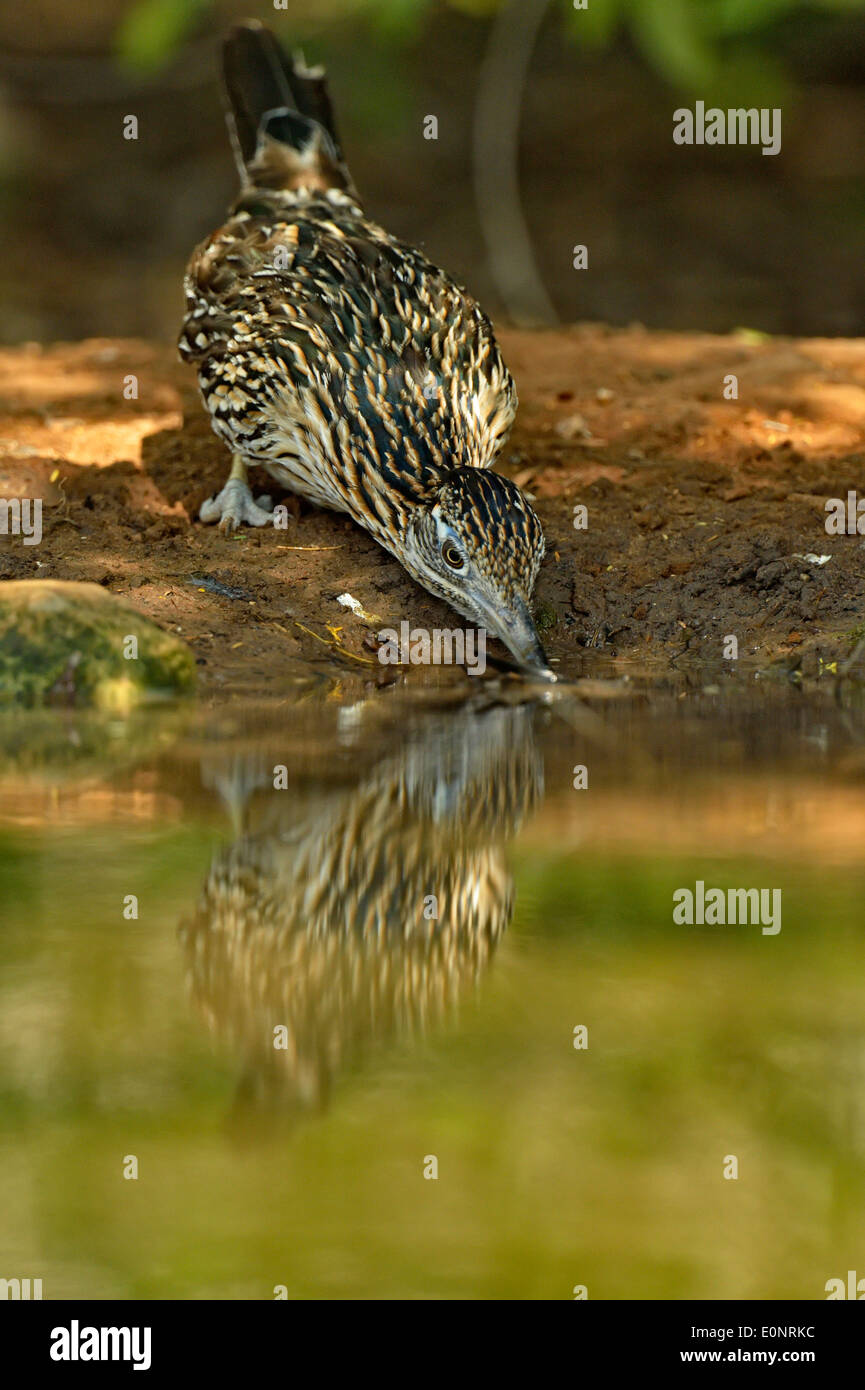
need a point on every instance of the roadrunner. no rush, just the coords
(350, 368)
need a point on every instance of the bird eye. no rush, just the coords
(452, 556)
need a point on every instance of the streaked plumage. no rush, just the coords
(313, 919)
(351, 368)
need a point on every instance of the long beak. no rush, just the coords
(518, 632)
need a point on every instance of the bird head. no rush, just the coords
(475, 542)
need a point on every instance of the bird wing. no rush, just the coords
(322, 325)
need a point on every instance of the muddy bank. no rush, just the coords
(699, 509)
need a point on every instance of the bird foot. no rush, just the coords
(235, 506)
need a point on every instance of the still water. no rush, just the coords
(376, 1002)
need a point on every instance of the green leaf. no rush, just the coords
(398, 19)
(153, 30)
(732, 17)
(672, 36)
(478, 9)
(595, 26)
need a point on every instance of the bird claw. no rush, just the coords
(235, 506)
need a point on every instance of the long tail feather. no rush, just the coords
(279, 115)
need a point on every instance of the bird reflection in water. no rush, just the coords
(344, 918)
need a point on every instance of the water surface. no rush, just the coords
(409, 896)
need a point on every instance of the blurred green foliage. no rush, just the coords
(717, 49)
(151, 31)
(714, 48)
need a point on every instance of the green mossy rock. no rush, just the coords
(65, 644)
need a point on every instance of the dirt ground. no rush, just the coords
(701, 510)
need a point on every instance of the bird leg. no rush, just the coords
(234, 506)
